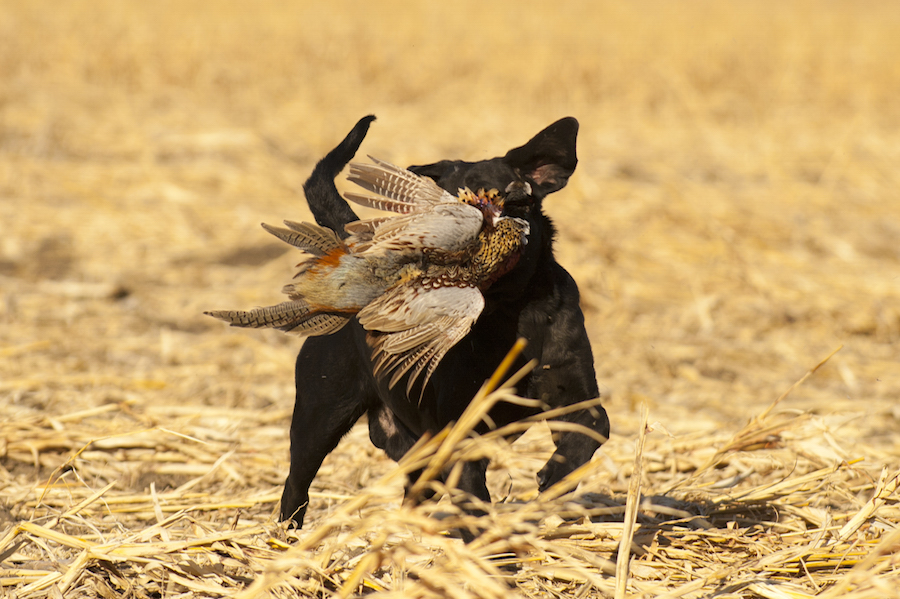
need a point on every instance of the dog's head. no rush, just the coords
(545, 164)
(524, 176)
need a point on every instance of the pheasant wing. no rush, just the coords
(401, 190)
(411, 328)
(308, 237)
(431, 217)
(450, 227)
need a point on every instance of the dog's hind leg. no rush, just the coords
(395, 439)
(332, 388)
(389, 434)
(332, 394)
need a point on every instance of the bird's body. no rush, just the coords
(345, 281)
(415, 280)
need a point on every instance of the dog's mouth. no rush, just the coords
(517, 200)
(493, 204)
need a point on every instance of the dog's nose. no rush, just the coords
(517, 191)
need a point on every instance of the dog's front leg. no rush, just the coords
(564, 377)
(574, 448)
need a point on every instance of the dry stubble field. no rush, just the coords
(734, 219)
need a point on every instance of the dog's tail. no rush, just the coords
(328, 207)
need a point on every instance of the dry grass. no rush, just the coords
(734, 219)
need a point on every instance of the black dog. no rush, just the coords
(537, 300)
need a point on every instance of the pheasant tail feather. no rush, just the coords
(294, 317)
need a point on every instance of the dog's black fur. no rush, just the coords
(537, 300)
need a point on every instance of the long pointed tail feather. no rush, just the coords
(293, 317)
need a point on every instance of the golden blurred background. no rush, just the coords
(734, 218)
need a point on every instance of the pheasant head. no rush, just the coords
(490, 203)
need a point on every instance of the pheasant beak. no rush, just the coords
(492, 214)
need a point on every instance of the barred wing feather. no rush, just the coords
(402, 191)
(429, 216)
(412, 328)
(449, 227)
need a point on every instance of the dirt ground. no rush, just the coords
(734, 219)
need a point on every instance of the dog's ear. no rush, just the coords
(549, 159)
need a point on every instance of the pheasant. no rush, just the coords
(414, 280)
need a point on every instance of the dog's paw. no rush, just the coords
(553, 471)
